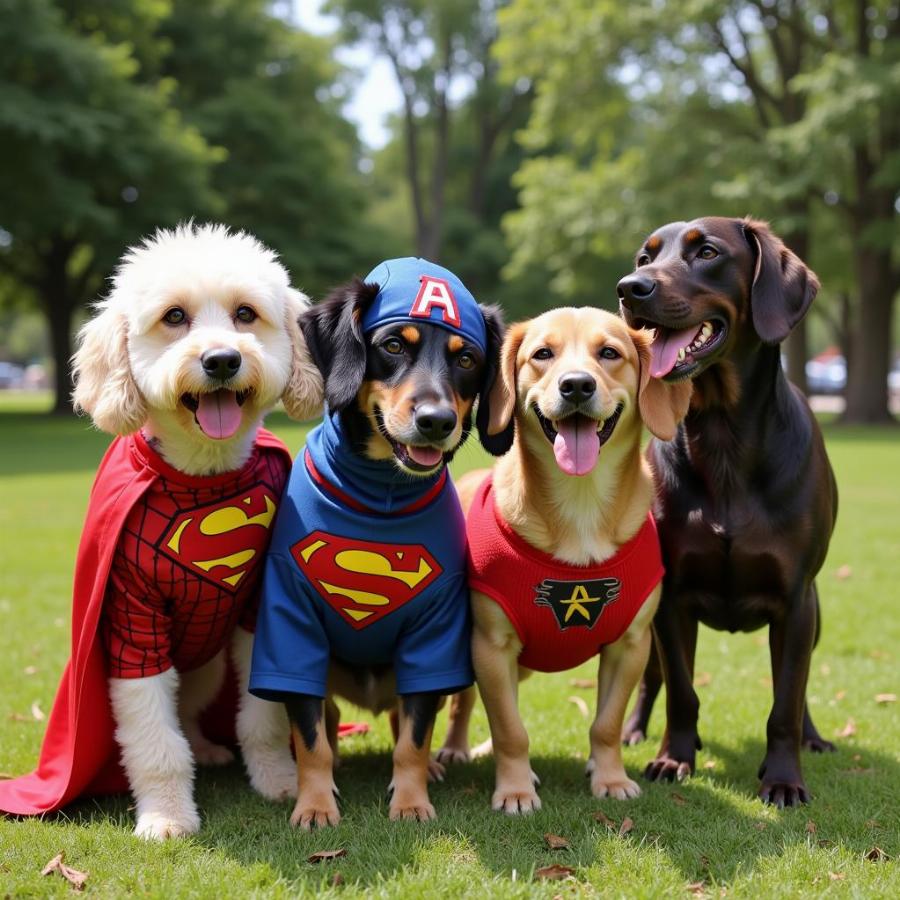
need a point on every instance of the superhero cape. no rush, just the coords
(79, 755)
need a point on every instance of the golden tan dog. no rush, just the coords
(576, 388)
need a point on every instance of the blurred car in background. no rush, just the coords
(11, 375)
(827, 373)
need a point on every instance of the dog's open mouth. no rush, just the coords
(677, 352)
(577, 439)
(217, 413)
(417, 458)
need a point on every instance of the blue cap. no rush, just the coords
(415, 290)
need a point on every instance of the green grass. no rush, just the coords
(719, 835)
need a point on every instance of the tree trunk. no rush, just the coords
(870, 354)
(57, 304)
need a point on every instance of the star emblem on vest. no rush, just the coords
(577, 603)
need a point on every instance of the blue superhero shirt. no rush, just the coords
(366, 564)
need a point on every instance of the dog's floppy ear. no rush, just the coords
(662, 405)
(783, 285)
(495, 420)
(303, 394)
(333, 332)
(105, 389)
(495, 443)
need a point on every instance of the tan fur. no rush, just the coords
(455, 343)
(411, 334)
(580, 520)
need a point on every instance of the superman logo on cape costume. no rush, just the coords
(79, 756)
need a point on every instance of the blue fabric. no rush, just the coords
(367, 588)
(400, 282)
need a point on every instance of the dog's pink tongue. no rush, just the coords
(665, 347)
(577, 445)
(218, 414)
(425, 456)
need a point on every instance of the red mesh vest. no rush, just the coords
(564, 614)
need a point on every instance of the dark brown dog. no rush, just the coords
(746, 497)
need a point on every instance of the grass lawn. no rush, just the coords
(706, 836)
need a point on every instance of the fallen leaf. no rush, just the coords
(709, 764)
(760, 826)
(678, 799)
(326, 855)
(843, 572)
(582, 706)
(811, 827)
(876, 854)
(30, 670)
(848, 730)
(696, 887)
(581, 683)
(337, 879)
(859, 770)
(837, 876)
(555, 842)
(873, 823)
(5, 776)
(556, 872)
(469, 790)
(37, 712)
(885, 698)
(625, 827)
(18, 717)
(703, 679)
(857, 757)
(601, 816)
(73, 876)
(840, 695)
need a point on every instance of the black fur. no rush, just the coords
(304, 711)
(421, 708)
(496, 444)
(333, 333)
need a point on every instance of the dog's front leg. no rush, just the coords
(495, 652)
(412, 755)
(621, 665)
(263, 731)
(791, 639)
(676, 642)
(456, 744)
(156, 754)
(316, 791)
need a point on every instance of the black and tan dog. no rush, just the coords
(746, 497)
(366, 595)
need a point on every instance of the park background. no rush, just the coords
(530, 146)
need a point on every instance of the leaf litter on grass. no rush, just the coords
(73, 876)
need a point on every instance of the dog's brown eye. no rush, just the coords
(246, 315)
(175, 316)
(393, 346)
(543, 353)
(707, 252)
(465, 360)
(610, 353)
(643, 260)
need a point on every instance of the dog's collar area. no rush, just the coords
(355, 504)
(402, 452)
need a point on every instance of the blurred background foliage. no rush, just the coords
(534, 147)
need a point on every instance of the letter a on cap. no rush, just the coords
(435, 292)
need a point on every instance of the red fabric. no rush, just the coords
(79, 755)
(563, 614)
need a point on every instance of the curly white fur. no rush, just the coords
(131, 371)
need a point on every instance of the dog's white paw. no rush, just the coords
(275, 777)
(156, 825)
(479, 751)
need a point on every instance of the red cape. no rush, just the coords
(80, 756)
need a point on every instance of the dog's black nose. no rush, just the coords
(434, 422)
(635, 288)
(221, 364)
(577, 386)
